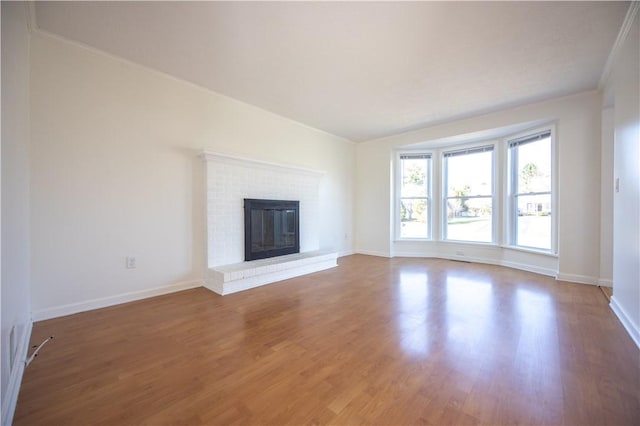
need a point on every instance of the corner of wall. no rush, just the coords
(10, 397)
(16, 207)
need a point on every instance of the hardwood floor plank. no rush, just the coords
(373, 341)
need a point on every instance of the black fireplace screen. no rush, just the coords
(271, 228)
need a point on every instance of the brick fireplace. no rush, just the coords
(231, 180)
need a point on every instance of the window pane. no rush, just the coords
(533, 227)
(413, 218)
(469, 219)
(414, 178)
(534, 166)
(470, 174)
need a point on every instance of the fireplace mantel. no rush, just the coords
(232, 159)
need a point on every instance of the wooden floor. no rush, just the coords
(374, 341)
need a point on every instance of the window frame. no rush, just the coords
(466, 149)
(511, 182)
(429, 155)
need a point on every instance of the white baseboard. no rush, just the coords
(88, 305)
(605, 282)
(505, 263)
(373, 253)
(345, 253)
(498, 262)
(580, 279)
(529, 268)
(10, 397)
(626, 321)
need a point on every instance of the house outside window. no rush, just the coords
(530, 163)
(468, 194)
(415, 192)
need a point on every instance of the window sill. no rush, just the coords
(453, 242)
(469, 243)
(531, 251)
(478, 244)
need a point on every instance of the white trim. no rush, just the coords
(529, 268)
(103, 302)
(580, 279)
(605, 282)
(374, 253)
(615, 50)
(10, 397)
(486, 261)
(530, 250)
(632, 329)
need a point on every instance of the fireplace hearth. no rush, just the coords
(271, 228)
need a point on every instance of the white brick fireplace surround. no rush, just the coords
(229, 181)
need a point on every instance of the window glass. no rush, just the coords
(531, 174)
(414, 178)
(470, 174)
(534, 166)
(469, 194)
(414, 195)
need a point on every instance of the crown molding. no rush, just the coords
(615, 50)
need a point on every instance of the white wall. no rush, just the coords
(626, 215)
(578, 137)
(606, 198)
(16, 310)
(115, 173)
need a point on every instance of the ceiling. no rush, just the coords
(358, 70)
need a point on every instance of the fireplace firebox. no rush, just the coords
(271, 228)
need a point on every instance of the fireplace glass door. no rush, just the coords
(271, 228)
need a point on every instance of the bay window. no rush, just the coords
(498, 191)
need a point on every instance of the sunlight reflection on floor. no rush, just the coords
(413, 302)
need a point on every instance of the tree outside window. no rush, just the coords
(414, 195)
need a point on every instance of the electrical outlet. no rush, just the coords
(459, 253)
(131, 262)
